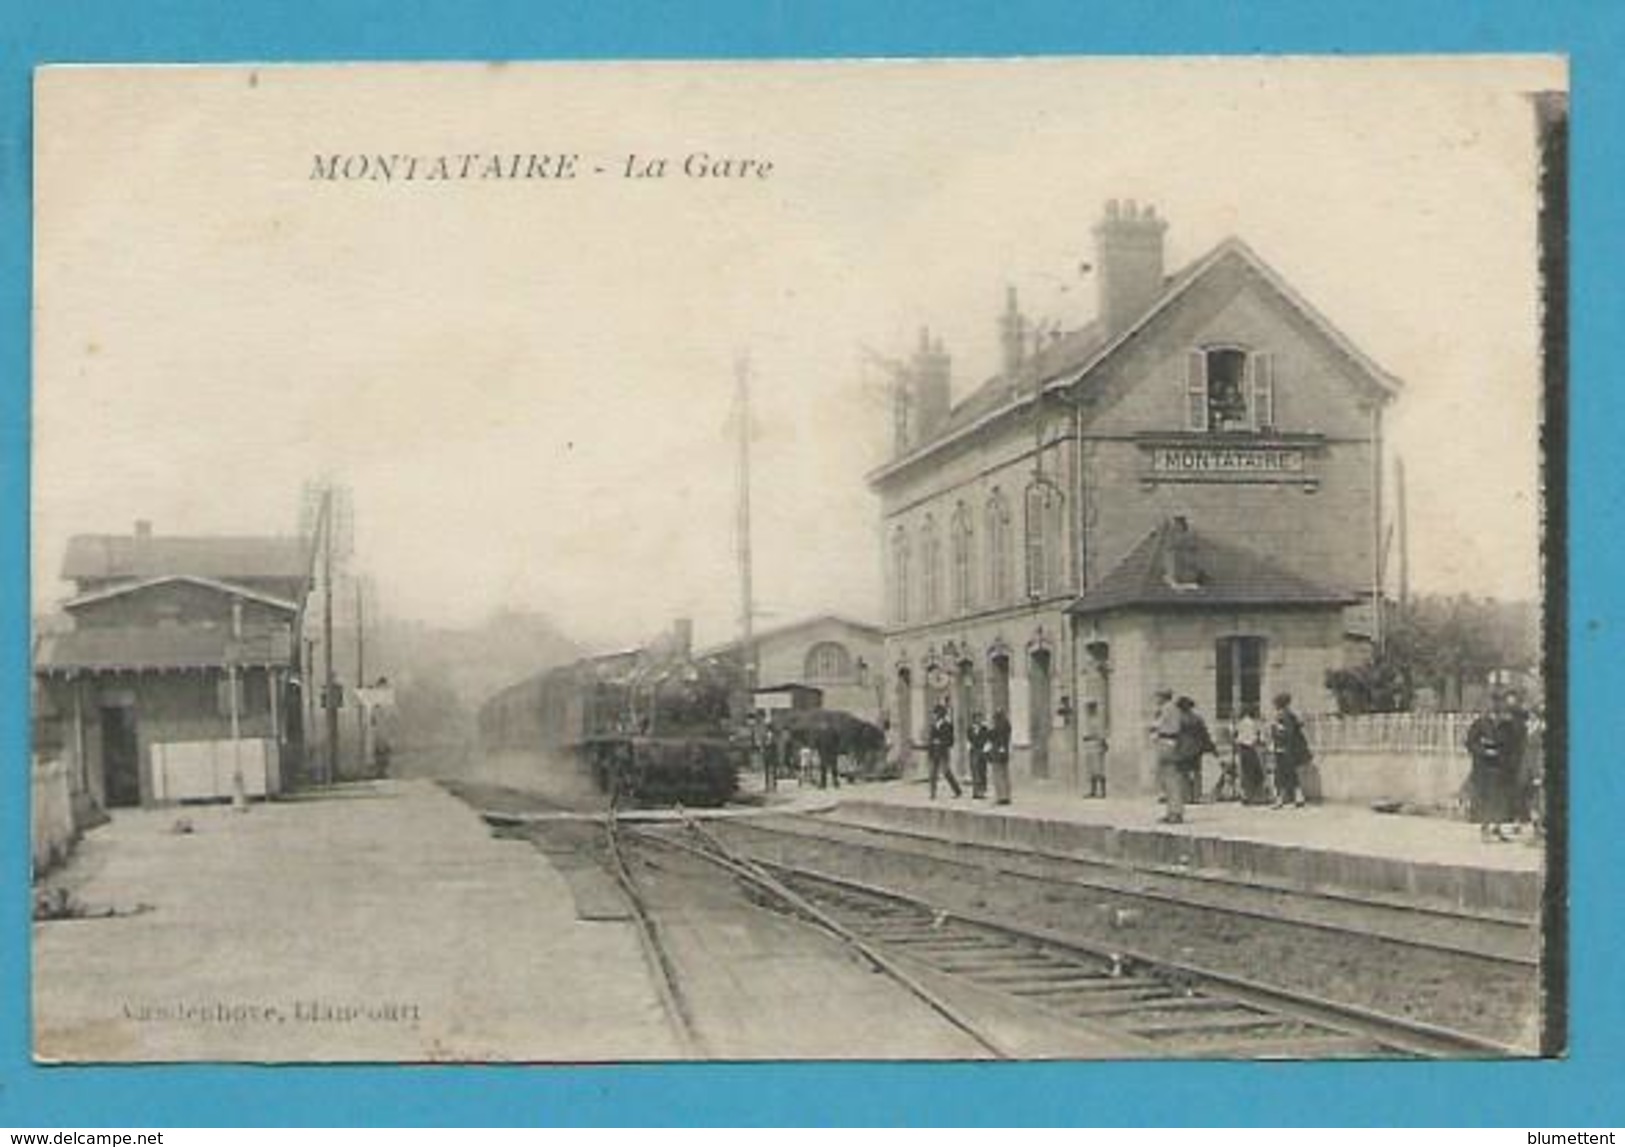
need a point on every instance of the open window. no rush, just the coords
(1229, 390)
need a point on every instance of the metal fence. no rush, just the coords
(1400, 734)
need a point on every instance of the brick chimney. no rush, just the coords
(1128, 257)
(682, 638)
(931, 371)
(143, 528)
(1012, 335)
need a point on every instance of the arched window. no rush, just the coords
(931, 567)
(998, 548)
(1229, 389)
(1043, 534)
(899, 574)
(829, 661)
(964, 569)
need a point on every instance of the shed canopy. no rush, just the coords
(131, 649)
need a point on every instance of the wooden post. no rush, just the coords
(81, 765)
(271, 688)
(239, 793)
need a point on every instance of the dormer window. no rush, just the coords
(1229, 390)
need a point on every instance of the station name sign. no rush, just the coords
(1188, 459)
(1227, 460)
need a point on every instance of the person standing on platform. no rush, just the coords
(770, 755)
(1094, 749)
(828, 742)
(1290, 748)
(1516, 723)
(1493, 740)
(1248, 762)
(998, 756)
(1534, 770)
(1193, 743)
(941, 748)
(976, 738)
(1165, 737)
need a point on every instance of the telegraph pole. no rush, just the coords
(307, 681)
(360, 681)
(330, 685)
(747, 607)
(1404, 535)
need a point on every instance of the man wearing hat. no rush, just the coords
(1193, 743)
(1165, 728)
(941, 744)
(1495, 742)
(1290, 748)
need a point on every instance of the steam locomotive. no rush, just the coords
(647, 726)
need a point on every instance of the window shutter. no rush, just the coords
(1196, 391)
(1263, 379)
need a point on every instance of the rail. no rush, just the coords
(664, 973)
(755, 874)
(1192, 987)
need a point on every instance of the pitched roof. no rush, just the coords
(1215, 574)
(156, 647)
(102, 556)
(1074, 356)
(1001, 389)
(761, 635)
(123, 588)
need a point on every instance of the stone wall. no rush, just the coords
(1425, 781)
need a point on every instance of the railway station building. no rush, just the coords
(1183, 493)
(178, 669)
(838, 658)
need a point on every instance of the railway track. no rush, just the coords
(1501, 938)
(662, 969)
(1147, 1006)
(1121, 1002)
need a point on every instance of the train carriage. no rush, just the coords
(648, 726)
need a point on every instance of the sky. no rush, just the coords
(527, 386)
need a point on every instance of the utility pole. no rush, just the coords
(747, 607)
(239, 793)
(307, 682)
(1404, 535)
(361, 713)
(330, 684)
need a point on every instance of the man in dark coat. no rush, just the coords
(828, 744)
(1192, 743)
(1494, 742)
(1290, 748)
(939, 748)
(977, 737)
(1515, 724)
(998, 756)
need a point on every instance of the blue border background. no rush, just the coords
(1575, 1092)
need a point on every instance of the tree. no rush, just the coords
(1442, 643)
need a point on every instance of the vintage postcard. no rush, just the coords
(952, 559)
